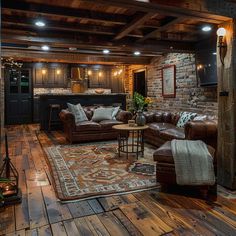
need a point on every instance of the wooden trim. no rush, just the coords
(137, 71)
(170, 95)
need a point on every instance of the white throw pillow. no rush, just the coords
(184, 118)
(102, 113)
(78, 112)
(116, 109)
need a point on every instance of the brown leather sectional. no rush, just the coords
(89, 130)
(162, 128)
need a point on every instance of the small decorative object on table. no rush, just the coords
(9, 191)
(131, 123)
(139, 104)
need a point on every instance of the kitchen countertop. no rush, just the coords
(76, 94)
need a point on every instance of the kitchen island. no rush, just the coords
(46, 100)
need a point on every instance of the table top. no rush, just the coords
(130, 128)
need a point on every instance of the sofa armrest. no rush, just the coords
(124, 116)
(67, 118)
(205, 130)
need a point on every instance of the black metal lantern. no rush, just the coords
(9, 176)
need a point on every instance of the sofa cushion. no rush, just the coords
(166, 117)
(107, 124)
(175, 118)
(158, 117)
(164, 153)
(78, 112)
(149, 116)
(173, 133)
(155, 128)
(102, 113)
(184, 118)
(88, 126)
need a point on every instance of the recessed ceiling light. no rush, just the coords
(40, 23)
(106, 51)
(137, 53)
(206, 28)
(45, 47)
(72, 49)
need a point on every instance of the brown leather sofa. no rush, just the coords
(162, 128)
(90, 130)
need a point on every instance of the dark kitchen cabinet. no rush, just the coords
(50, 76)
(36, 109)
(18, 96)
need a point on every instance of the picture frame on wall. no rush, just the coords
(169, 81)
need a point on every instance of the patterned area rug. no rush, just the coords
(93, 170)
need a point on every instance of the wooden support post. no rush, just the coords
(227, 110)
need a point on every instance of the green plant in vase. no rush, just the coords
(139, 104)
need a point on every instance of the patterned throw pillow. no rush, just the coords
(78, 112)
(102, 113)
(184, 118)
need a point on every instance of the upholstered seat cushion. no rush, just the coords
(164, 154)
(107, 124)
(157, 127)
(173, 133)
(88, 126)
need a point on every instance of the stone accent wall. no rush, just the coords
(189, 95)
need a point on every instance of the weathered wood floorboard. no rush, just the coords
(144, 213)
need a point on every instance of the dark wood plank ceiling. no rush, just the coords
(90, 26)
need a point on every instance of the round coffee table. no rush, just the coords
(134, 145)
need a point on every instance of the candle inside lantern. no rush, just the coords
(9, 189)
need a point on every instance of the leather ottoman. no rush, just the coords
(165, 167)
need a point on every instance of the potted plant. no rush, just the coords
(139, 105)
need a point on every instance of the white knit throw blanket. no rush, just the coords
(193, 163)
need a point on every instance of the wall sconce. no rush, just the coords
(100, 74)
(221, 32)
(58, 71)
(44, 71)
(89, 72)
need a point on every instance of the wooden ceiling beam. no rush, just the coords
(81, 50)
(55, 40)
(162, 7)
(161, 29)
(28, 24)
(49, 10)
(138, 20)
(71, 57)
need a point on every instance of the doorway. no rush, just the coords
(140, 84)
(18, 96)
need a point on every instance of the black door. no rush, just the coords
(18, 96)
(140, 83)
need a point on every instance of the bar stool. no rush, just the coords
(53, 108)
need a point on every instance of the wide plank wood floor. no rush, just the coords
(141, 213)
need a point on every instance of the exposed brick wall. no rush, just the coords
(1, 116)
(189, 96)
